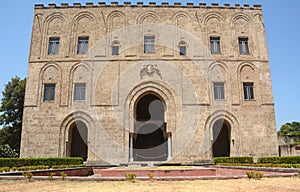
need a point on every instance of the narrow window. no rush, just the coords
(53, 45)
(215, 47)
(248, 91)
(243, 45)
(115, 48)
(182, 48)
(49, 92)
(79, 92)
(149, 44)
(219, 91)
(83, 45)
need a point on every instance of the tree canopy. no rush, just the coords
(290, 129)
(11, 113)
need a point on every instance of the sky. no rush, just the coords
(282, 21)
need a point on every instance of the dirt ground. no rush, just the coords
(290, 184)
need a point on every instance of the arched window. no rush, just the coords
(115, 48)
(182, 48)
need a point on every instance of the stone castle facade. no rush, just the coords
(137, 83)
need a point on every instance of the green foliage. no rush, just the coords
(15, 162)
(290, 129)
(130, 176)
(4, 169)
(66, 166)
(254, 175)
(151, 176)
(296, 143)
(30, 168)
(218, 160)
(7, 152)
(50, 177)
(11, 110)
(299, 173)
(28, 175)
(280, 160)
(63, 175)
(261, 165)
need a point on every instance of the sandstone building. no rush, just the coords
(148, 83)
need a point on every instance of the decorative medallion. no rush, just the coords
(150, 70)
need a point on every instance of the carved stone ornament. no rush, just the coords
(150, 70)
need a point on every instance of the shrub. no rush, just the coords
(280, 160)
(4, 169)
(27, 175)
(20, 162)
(218, 160)
(299, 173)
(66, 166)
(6, 151)
(254, 175)
(130, 176)
(63, 175)
(50, 177)
(151, 176)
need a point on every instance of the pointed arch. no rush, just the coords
(212, 15)
(150, 14)
(66, 125)
(236, 147)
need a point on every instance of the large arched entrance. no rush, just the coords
(77, 145)
(221, 138)
(150, 137)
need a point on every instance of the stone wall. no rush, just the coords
(115, 83)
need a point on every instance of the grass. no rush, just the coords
(263, 185)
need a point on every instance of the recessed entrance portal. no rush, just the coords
(150, 137)
(221, 139)
(78, 140)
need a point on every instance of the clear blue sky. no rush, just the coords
(282, 20)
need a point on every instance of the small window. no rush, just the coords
(248, 91)
(53, 45)
(83, 45)
(244, 45)
(79, 92)
(149, 44)
(49, 92)
(115, 48)
(182, 48)
(219, 91)
(215, 47)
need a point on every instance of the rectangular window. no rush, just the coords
(115, 50)
(49, 92)
(83, 45)
(215, 46)
(248, 91)
(79, 92)
(243, 45)
(53, 45)
(219, 91)
(149, 44)
(182, 50)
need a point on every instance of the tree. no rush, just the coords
(11, 113)
(290, 129)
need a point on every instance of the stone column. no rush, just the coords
(131, 147)
(169, 146)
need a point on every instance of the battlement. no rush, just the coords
(150, 4)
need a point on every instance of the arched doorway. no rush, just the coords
(221, 138)
(77, 145)
(150, 137)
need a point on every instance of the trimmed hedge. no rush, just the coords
(218, 160)
(21, 162)
(280, 160)
(261, 165)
